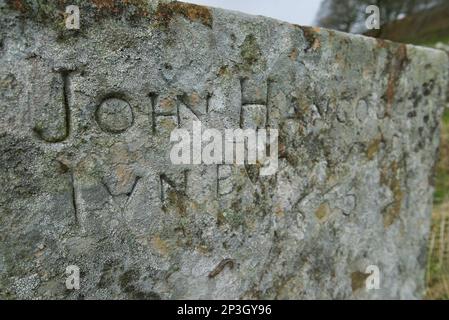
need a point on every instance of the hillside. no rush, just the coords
(424, 28)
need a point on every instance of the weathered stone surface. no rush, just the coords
(86, 177)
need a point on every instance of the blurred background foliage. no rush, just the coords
(349, 15)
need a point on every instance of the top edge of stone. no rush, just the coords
(159, 12)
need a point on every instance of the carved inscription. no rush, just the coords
(51, 101)
(114, 115)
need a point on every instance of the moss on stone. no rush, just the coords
(389, 177)
(373, 148)
(167, 11)
(358, 280)
(52, 13)
(250, 50)
(323, 212)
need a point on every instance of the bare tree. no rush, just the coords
(340, 15)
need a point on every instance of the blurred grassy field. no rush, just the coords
(442, 177)
(437, 275)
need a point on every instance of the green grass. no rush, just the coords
(446, 118)
(437, 274)
(442, 170)
(430, 42)
(438, 264)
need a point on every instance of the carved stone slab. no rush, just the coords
(86, 178)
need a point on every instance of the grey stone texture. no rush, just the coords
(86, 177)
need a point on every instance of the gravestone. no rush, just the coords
(87, 180)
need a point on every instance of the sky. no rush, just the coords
(301, 12)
